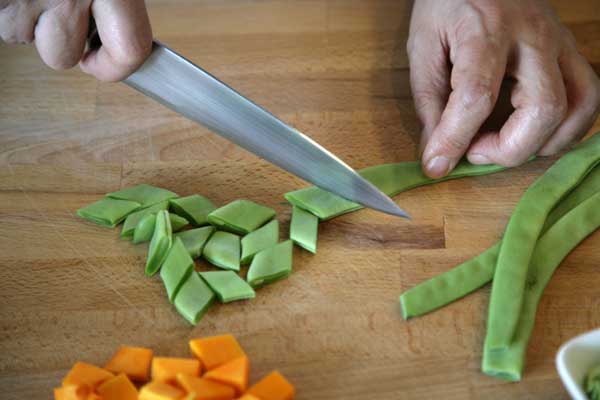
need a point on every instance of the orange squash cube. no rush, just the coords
(132, 361)
(117, 388)
(160, 391)
(86, 374)
(234, 373)
(165, 369)
(205, 389)
(216, 350)
(273, 387)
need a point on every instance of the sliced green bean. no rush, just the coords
(146, 195)
(392, 179)
(176, 268)
(194, 208)
(592, 383)
(194, 240)
(262, 238)
(160, 243)
(228, 286)
(194, 298)
(223, 250)
(145, 228)
(521, 235)
(549, 252)
(304, 228)
(108, 212)
(134, 218)
(471, 275)
(271, 264)
(241, 216)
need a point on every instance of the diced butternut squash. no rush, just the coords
(273, 387)
(248, 396)
(205, 389)
(160, 391)
(86, 374)
(76, 392)
(165, 369)
(132, 361)
(216, 350)
(94, 396)
(234, 373)
(118, 388)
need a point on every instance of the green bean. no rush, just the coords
(304, 228)
(108, 212)
(223, 250)
(241, 216)
(134, 218)
(592, 383)
(160, 243)
(471, 275)
(550, 250)
(145, 228)
(228, 286)
(194, 240)
(262, 238)
(392, 179)
(146, 195)
(176, 268)
(194, 208)
(521, 235)
(271, 264)
(194, 298)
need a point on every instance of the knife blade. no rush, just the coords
(184, 87)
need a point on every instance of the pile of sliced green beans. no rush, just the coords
(592, 383)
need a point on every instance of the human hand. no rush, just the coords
(459, 53)
(59, 29)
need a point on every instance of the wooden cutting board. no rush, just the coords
(70, 290)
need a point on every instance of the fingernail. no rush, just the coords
(478, 159)
(438, 167)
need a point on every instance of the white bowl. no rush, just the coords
(574, 360)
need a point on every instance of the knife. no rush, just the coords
(187, 89)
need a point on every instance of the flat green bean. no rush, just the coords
(194, 240)
(521, 235)
(304, 228)
(228, 286)
(391, 179)
(223, 250)
(592, 383)
(146, 195)
(550, 250)
(241, 216)
(160, 244)
(262, 238)
(194, 208)
(145, 228)
(176, 268)
(108, 212)
(194, 298)
(271, 264)
(134, 218)
(476, 272)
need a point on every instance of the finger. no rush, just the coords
(60, 34)
(429, 80)
(124, 29)
(540, 104)
(583, 99)
(17, 22)
(479, 67)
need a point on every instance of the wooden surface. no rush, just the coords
(336, 70)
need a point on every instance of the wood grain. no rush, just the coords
(337, 70)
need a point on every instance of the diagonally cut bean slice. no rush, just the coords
(194, 240)
(134, 218)
(145, 228)
(241, 216)
(194, 208)
(228, 285)
(521, 235)
(304, 228)
(471, 275)
(271, 264)
(194, 298)
(262, 238)
(549, 252)
(389, 178)
(108, 212)
(160, 243)
(223, 250)
(176, 268)
(146, 195)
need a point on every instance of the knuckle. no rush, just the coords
(454, 143)
(590, 103)
(479, 96)
(552, 110)
(133, 55)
